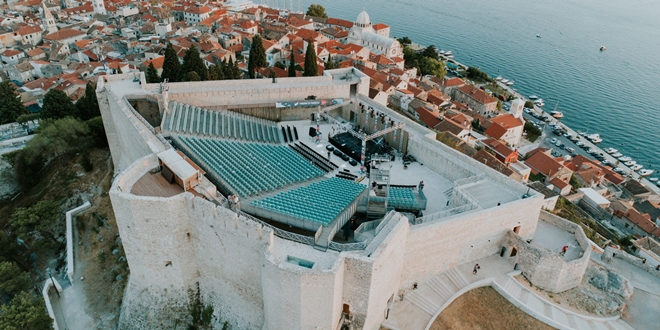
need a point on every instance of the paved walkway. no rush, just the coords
(70, 308)
(418, 308)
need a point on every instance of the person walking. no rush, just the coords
(476, 268)
(563, 250)
(421, 185)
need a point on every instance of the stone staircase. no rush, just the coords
(422, 304)
(556, 316)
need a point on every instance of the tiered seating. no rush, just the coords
(346, 175)
(318, 160)
(402, 198)
(251, 168)
(320, 202)
(184, 118)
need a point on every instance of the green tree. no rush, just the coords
(58, 105)
(39, 217)
(14, 280)
(280, 65)
(292, 66)
(311, 68)
(529, 104)
(56, 138)
(152, 74)
(25, 311)
(410, 56)
(331, 64)
(88, 105)
(431, 66)
(257, 56)
(405, 41)
(316, 11)
(97, 136)
(193, 63)
(213, 74)
(499, 105)
(431, 52)
(11, 106)
(171, 64)
(192, 76)
(27, 117)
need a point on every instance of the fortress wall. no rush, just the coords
(153, 232)
(436, 246)
(129, 139)
(301, 298)
(229, 253)
(373, 277)
(261, 93)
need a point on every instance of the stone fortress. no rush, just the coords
(312, 246)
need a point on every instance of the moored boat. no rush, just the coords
(504, 81)
(557, 114)
(653, 179)
(510, 83)
(617, 155)
(533, 97)
(611, 150)
(636, 167)
(630, 163)
(645, 172)
(624, 158)
(499, 78)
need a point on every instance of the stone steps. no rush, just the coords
(552, 312)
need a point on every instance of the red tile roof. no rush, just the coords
(427, 117)
(379, 26)
(507, 121)
(477, 94)
(63, 34)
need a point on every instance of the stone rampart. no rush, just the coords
(439, 245)
(547, 269)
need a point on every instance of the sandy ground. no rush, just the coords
(484, 308)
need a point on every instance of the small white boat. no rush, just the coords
(624, 159)
(533, 97)
(557, 114)
(617, 155)
(442, 52)
(645, 172)
(596, 140)
(611, 150)
(504, 81)
(602, 48)
(499, 78)
(539, 104)
(657, 183)
(448, 53)
(510, 83)
(653, 179)
(630, 163)
(538, 35)
(636, 167)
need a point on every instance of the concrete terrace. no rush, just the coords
(554, 239)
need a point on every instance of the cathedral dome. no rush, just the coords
(363, 19)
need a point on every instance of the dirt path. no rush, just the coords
(484, 308)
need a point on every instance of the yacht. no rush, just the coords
(498, 78)
(636, 167)
(602, 48)
(557, 114)
(533, 97)
(504, 81)
(611, 150)
(617, 155)
(624, 159)
(653, 179)
(645, 172)
(510, 83)
(630, 163)
(595, 138)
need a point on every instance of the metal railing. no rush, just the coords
(446, 213)
(355, 246)
(472, 179)
(280, 232)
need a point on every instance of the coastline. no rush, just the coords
(628, 173)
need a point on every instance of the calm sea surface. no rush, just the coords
(614, 93)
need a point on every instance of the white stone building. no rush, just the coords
(362, 33)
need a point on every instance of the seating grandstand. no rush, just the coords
(184, 118)
(320, 202)
(251, 168)
(402, 198)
